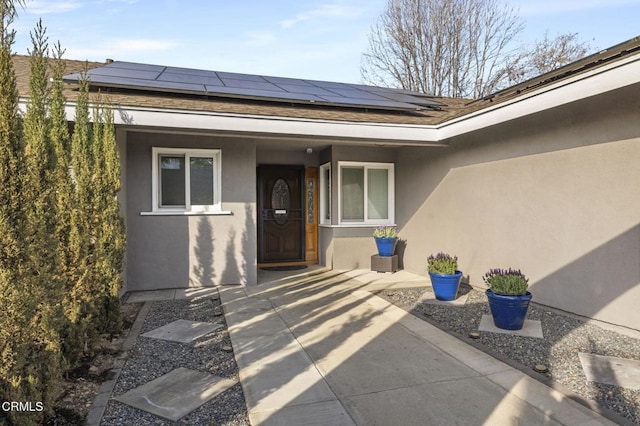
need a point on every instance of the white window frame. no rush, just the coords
(325, 205)
(390, 167)
(216, 154)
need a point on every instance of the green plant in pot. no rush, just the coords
(508, 297)
(445, 276)
(386, 237)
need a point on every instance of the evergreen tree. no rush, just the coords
(10, 148)
(62, 237)
(28, 331)
(79, 305)
(61, 185)
(42, 284)
(110, 236)
(14, 316)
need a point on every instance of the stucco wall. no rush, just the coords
(294, 157)
(555, 194)
(191, 251)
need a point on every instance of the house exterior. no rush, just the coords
(543, 176)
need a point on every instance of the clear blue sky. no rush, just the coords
(311, 39)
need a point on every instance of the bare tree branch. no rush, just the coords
(458, 48)
(441, 47)
(546, 55)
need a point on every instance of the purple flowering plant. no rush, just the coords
(507, 282)
(442, 263)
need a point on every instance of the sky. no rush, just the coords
(321, 40)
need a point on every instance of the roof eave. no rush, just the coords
(612, 76)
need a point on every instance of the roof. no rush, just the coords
(448, 108)
(184, 101)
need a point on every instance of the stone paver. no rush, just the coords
(611, 370)
(530, 328)
(183, 331)
(176, 394)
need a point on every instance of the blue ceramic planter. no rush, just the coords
(508, 312)
(445, 286)
(386, 246)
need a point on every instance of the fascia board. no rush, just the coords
(277, 125)
(263, 125)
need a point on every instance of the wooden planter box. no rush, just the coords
(384, 263)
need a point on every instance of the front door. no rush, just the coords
(280, 214)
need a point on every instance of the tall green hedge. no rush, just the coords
(62, 238)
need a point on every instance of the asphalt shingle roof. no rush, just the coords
(452, 107)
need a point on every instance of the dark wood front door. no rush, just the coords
(281, 214)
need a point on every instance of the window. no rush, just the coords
(366, 192)
(325, 193)
(186, 180)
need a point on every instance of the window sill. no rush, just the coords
(186, 213)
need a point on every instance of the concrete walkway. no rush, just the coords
(318, 348)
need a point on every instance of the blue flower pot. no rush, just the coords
(508, 312)
(445, 286)
(386, 246)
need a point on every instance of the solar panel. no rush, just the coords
(290, 81)
(131, 83)
(135, 66)
(250, 84)
(400, 97)
(356, 94)
(312, 90)
(330, 84)
(130, 75)
(190, 71)
(190, 78)
(236, 76)
(264, 94)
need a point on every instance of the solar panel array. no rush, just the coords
(129, 75)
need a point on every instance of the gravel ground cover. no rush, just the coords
(564, 337)
(152, 358)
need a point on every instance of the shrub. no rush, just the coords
(442, 263)
(386, 231)
(62, 239)
(508, 282)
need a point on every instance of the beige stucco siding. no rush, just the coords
(191, 251)
(555, 194)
